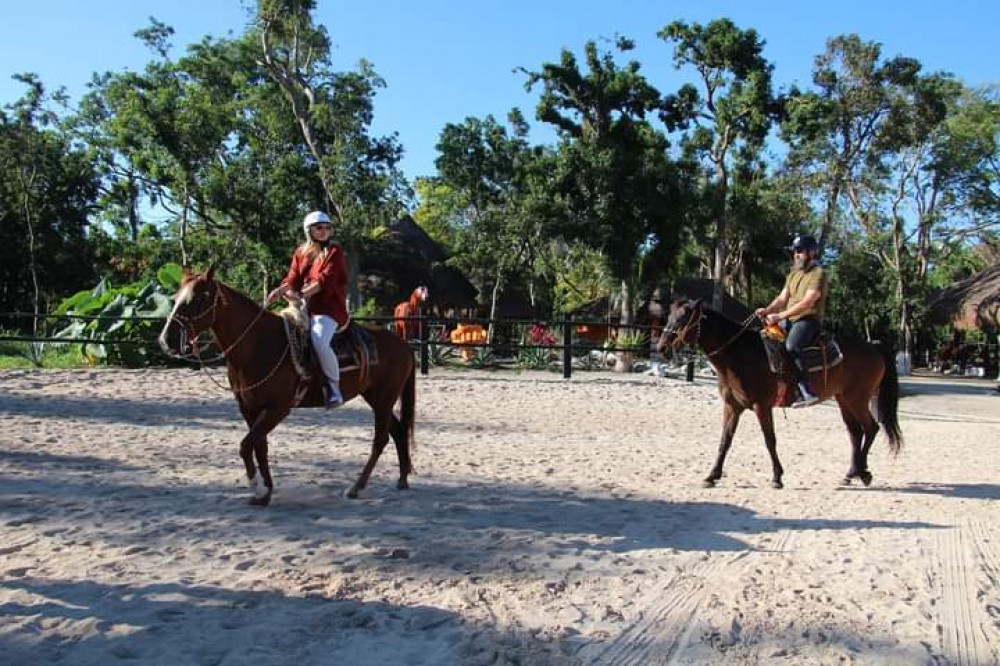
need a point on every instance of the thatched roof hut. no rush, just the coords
(705, 289)
(970, 303)
(404, 258)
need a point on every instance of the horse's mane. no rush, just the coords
(728, 328)
(238, 296)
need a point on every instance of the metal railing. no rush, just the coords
(505, 331)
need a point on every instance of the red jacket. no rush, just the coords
(330, 273)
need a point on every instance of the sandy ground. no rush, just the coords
(551, 522)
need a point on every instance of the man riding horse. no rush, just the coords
(798, 309)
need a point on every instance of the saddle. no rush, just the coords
(354, 345)
(821, 355)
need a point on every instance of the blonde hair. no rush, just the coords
(310, 248)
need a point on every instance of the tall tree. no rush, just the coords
(333, 111)
(842, 127)
(618, 185)
(495, 176)
(47, 188)
(731, 109)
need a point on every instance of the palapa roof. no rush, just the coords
(970, 303)
(708, 291)
(404, 258)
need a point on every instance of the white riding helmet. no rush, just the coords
(315, 217)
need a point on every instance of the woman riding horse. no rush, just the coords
(267, 385)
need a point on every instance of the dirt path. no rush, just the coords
(551, 522)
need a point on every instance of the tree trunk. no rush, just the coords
(624, 360)
(182, 235)
(494, 298)
(721, 224)
(26, 186)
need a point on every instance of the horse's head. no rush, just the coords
(194, 311)
(420, 294)
(683, 326)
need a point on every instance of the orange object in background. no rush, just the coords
(468, 334)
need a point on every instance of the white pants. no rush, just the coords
(321, 330)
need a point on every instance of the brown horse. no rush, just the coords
(267, 386)
(405, 328)
(746, 382)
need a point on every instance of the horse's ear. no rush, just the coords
(210, 273)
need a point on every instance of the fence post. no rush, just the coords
(567, 349)
(690, 371)
(424, 351)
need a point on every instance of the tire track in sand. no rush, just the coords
(660, 633)
(963, 639)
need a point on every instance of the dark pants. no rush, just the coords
(801, 334)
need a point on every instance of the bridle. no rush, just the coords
(694, 321)
(188, 329)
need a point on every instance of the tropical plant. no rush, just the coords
(541, 351)
(129, 315)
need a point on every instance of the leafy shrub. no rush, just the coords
(131, 313)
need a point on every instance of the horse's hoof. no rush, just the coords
(352, 494)
(708, 483)
(260, 501)
(777, 485)
(846, 481)
(403, 484)
(866, 478)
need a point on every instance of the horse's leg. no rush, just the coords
(855, 431)
(246, 445)
(862, 413)
(382, 414)
(765, 416)
(730, 419)
(401, 439)
(264, 423)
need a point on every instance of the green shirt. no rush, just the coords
(799, 282)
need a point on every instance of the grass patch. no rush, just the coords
(26, 356)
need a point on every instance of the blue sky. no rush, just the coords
(444, 60)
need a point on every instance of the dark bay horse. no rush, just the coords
(409, 308)
(746, 382)
(266, 384)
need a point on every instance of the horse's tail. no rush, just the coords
(408, 409)
(888, 401)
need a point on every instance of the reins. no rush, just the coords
(187, 323)
(694, 322)
(743, 327)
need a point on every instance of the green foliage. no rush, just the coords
(369, 308)
(120, 311)
(47, 187)
(617, 189)
(633, 339)
(23, 355)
